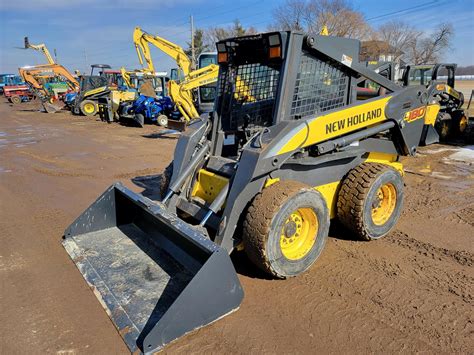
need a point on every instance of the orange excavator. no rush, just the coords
(37, 76)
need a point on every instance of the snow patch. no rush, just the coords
(465, 154)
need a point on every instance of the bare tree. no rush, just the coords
(214, 34)
(291, 15)
(338, 16)
(398, 34)
(413, 45)
(429, 49)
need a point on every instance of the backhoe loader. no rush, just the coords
(96, 86)
(267, 171)
(50, 98)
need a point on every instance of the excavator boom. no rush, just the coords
(181, 94)
(30, 76)
(42, 48)
(142, 40)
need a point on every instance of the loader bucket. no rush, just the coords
(156, 276)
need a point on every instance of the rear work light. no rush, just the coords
(222, 57)
(222, 53)
(275, 46)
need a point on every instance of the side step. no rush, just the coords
(156, 276)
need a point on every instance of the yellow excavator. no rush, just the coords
(181, 93)
(42, 48)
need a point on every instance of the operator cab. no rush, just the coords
(264, 80)
(206, 93)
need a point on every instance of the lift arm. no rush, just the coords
(42, 48)
(142, 40)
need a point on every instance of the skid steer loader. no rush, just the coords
(266, 171)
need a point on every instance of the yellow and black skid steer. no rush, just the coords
(287, 150)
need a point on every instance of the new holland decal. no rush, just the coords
(353, 120)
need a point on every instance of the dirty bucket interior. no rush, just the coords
(145, 267)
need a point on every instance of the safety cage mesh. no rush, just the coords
(248, 94)
(319, 87)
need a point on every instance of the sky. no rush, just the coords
(85, 32)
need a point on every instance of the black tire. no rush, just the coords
(15, 100)
(165, 180)
(459, 123)
(444, 126)
(266, 217)
(84, 107)
(358, 198)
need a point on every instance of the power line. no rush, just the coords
(407, 10)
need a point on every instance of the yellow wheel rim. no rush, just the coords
(384, 204)
(462, 124)
(89, 108)
(298, 234)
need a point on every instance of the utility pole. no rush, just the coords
(85, 61)
(193, 55)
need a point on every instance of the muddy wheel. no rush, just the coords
(88, 107)
(162, 120)
(459, 123)
(443, 126)
(370, 200)
(15, 100)
(285, 228)
(165, 180)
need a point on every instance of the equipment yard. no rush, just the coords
(412, 290)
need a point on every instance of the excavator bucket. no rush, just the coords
(156, 276)
(53, 107)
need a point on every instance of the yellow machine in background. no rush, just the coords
(182, 94)
(42, 48)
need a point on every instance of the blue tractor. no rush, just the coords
(147, 109)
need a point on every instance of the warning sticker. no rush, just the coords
(346, 60)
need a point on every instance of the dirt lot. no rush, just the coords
(412, 291)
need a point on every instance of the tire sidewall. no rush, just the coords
(376, 231)
(162, 120)
(279, 263)
(84, 103)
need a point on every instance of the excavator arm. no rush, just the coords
(126, 77)
(181, 94)
(42, 48)
(142, 40)
(30, 74)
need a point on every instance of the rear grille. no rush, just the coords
(319, 87)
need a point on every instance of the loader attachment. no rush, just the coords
(156, 276)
